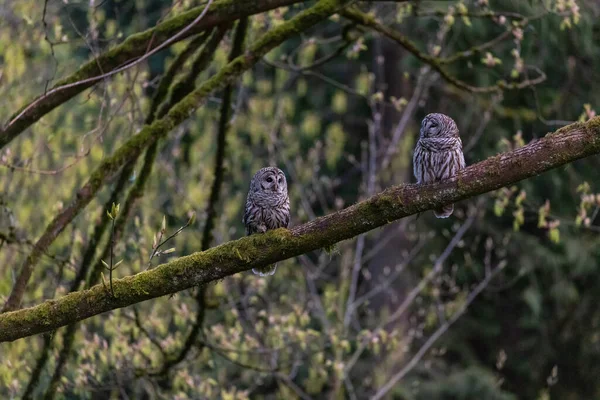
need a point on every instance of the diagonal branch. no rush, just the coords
(158, 129)
(133, 47)
(68, 339)
(566, 145)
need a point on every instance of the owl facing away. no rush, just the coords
(267, 207)
(438, 154)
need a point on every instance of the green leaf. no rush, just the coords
(533, 299)
(554, 235)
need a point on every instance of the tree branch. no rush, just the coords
(158, 129)
(133, 47)
(436, 335)
(438, 63)
(185, 85)
(566, 145)
(162, 91)
(86, 263)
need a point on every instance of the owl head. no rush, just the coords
(269, 180)
(438, 125)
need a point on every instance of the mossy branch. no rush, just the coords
(68, 336)
(162, 91)
(136, 192)
(185, 85)
(566, 145)
(86, 262)
(134, 46)
(159, 129)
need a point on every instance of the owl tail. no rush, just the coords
(265, 271)
(444, 211)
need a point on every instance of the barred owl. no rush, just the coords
(438, 154)
(267, 207)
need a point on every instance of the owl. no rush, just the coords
(438, 154)
(267, 207)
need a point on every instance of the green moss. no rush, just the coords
(332, 249)
(237, 251)
(593, 126)
(569, 128)
(460, 183)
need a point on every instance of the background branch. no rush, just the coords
(437, 63)
(133, 47)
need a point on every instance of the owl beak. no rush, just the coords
(276, 187)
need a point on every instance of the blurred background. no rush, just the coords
(497, 302)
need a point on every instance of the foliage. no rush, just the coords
(337, 107)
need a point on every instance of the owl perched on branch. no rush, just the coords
(267, 207)
(438, 154)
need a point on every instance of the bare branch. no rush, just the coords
(436, 335)
(178, 36)
(437, 63)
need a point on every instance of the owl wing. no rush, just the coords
(286, 218)
(248, 218)
(461, 160)
(418, 162)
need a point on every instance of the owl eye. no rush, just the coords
(279, 180)
(269, 179)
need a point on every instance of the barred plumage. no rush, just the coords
(438, 154)
(267, 207)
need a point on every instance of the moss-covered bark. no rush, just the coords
(185, 85)
(162, 91)
(158, 129)
(134, 46)
(566, 145)
(86, 263)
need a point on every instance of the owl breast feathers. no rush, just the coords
(267, 206)
(438, 154)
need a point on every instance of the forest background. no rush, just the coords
(125, 121)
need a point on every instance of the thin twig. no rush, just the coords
(166, 43)
(177, 232)
(112, 245)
